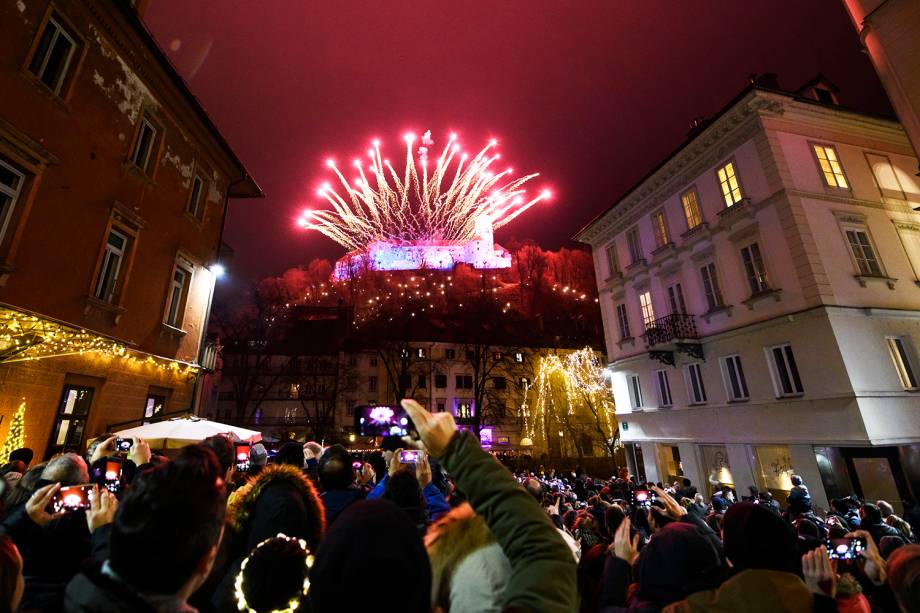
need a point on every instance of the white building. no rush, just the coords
(759, 291)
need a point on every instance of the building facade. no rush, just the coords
(113, 190)
(760, 292)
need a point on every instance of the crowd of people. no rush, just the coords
(432, 523)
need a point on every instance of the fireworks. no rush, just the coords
(454, 199)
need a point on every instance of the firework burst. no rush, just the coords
(449, 200)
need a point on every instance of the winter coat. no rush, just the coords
(92, 591)
(336, 501)
(755, 591)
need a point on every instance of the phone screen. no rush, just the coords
(72, 498)
(845, 548)
(242, 458)
(123, 444)
(408, 457)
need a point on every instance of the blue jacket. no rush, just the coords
(436, 503)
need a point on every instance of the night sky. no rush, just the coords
(590, 94)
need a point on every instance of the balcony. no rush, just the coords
(676, 332)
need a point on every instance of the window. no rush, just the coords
(441, 404)
(294, 391)
(11, 182)
(711, 286)
(372, 383)
(830, 166)
(635, 247)
(178, 294)
(67, 434)
(373, 361)
(691, 203)
(195, 201)
(499, 383)
(153, 405)
(422, 382)
(623, 321)
(440, 381)
(470, 355)
(676, 299)
(635, 392)
(728, 180)
(903, 362)
(143, 148)
(352, 360)
(464, 382)
(613, 262)
(112, 257)
(696, 392)
(754, 269)
(52, 57)
(421, 353)
(785, 373)
(660, 225)
(886, 179)
(664, 388)
(863, 251)
(519, 357)
(450, 354)
(735, 383)
(498, 356)
(463, 408)
(648, 313)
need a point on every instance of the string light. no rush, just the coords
(15, 437)
(294, 603)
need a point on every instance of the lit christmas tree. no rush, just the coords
(16, 436)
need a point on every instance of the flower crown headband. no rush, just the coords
(294, 603)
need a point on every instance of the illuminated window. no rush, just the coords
(294, 391)
(696, 392)
(519, 357)
(830, 166)
(785, 373)
(735, 383)
(902, 356)
(153, 405)
(660, 225)
(635, 392)
(664, 388)
(11, 182)
(863, 252)
(623, 321)
(144, 146)
(676, 299)
(886, 179)
(728, 180)
(648, 313)
(112, 257)
(73, 410)
(421, 353)
(463, 408)
(178, 293)
(613, 262)
(635, 247)
(711, 286)
(754, 269)
(53, 55)
(196, 198)
(691, 204)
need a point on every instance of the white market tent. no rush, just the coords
(179, 432)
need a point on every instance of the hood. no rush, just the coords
(753, 591)
(242, 501)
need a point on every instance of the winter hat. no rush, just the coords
(23, 454)
(756, 537)
(258, 456)
(290, 453)
(371, 539)
(677, 562)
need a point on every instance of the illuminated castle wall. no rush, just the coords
(479, 252)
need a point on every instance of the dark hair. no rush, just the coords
(391, 443)
(167, 522)
(91, 448)
(223, 448)
(14, 466)
(274, 574)
(871, 513)
(403, 490)
(687, 482)
(24, 488)
(10, 569)
(614, 516)
(904, 576)
(334, 469)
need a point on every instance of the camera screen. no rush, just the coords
(408, 457)
(123, 444)
(844, 548)
(112, 471)
(382, 420)
(72, 498)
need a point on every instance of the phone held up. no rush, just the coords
(845, 548)
(409, 456)
(123, 445)
(72, 498)
(242, 457)
(113, 468)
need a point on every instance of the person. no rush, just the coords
(435, 503)
(535, 489)
(898, 523)
(312, 452)
(403, 490)
(870, 520)
(290, 454)
(225, 451)
(12, 582)
(258, 458)
(274, 576)
(336, 478)
(469, 569)
(903, 571)
(24, 488)
(23, 454)
(162, 539)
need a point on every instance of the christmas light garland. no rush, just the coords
(294, 603)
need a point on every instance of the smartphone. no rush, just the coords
(844, 548)
(408, 457)
(242, 458)
(123, 444)
(357, 465)
(113, 475)
(644, 498)
(71, 498)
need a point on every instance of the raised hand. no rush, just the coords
(102, 507)
(37, 505)
(423, 469)
(435, 429)
(625, 546)
(820, 575)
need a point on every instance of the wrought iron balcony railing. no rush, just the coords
(671, 328)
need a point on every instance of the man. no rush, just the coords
(258, 458)
(163, 540)
(870, 520)
(336, 477)
(312, 451)
(225, 451)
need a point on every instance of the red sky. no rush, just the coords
(591, 94)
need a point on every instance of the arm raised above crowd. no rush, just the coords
(542, 569)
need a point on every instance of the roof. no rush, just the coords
(697, 132)
(244, 186)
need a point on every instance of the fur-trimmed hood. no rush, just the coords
(242, 503)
